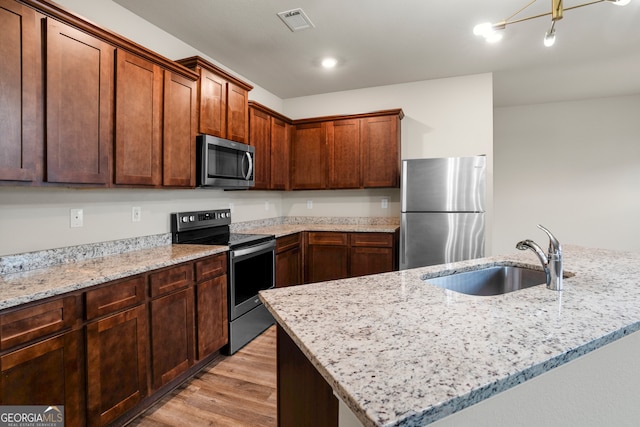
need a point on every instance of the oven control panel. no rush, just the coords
(181, 221)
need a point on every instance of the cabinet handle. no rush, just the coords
(250, 168)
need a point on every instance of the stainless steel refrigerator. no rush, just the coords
(443, 205)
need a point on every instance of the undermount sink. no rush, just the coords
(491, 280)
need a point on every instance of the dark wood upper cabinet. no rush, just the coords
(381, 151)
(359, 151)
(138, 139)
(222, 101)
(212, 104)
(237, 113)
(18, 92)
(280, 145)
(260, 138)
(79, 106)
(309, 157)
(269, 133)
(344, 153)
(179, 169)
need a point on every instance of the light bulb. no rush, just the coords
(493, 37)
(550, 37)
(483, 29)
(329, 62)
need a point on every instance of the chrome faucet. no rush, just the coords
(551, 262)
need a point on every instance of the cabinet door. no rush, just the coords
(380, 151)
(138, 136)
(212, 104)
(344, 153)
(260, 138)
(237, 113)
(116, 345)
(179, 131)
(327, 256)
(280, 132)
(309, 157)
(366, 260)
(79, 106)
(18, 86)
(212, 321)
(172, 345)
(289, 267)
(48, 372)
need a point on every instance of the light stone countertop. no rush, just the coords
(282, 230)
(38, 275)
(401, 352)
(32, 285)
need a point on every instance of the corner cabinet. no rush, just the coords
(222, 101)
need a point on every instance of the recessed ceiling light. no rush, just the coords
(329, 62)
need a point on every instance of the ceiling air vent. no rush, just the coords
(296, 19)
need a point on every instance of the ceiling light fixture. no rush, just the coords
(493, 32)
(329, 62)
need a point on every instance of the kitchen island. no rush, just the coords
(401, 352)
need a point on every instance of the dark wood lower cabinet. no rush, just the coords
(116, 365)
(304, 396)
(289, 267)
(48, 372)
(172, 340)
(332, 255)
(212, 319)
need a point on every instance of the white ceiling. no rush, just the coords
(381, 42)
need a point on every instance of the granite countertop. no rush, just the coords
(401, 352)
(32, 285)
(33, 276)
(281, 230)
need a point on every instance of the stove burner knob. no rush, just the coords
(185, 219)
(192, 218)
(228, 214)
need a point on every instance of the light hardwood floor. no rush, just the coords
(233, 391)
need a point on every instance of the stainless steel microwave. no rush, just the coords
(224, 164)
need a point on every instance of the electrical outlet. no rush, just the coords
(136, 214)
(309, 204)
(384, 203)
(266, 206)
(76, 218)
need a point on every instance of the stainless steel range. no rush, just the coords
(251, 268)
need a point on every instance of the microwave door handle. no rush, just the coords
(250, 168)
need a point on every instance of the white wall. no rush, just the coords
(572, 166)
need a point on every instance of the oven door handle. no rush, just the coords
(262, 247)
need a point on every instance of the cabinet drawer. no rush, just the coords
(327, 238)
(287, 242)
(382, 240)
(24, 325)
(171, 279)
(115, 297)
(211, 267)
